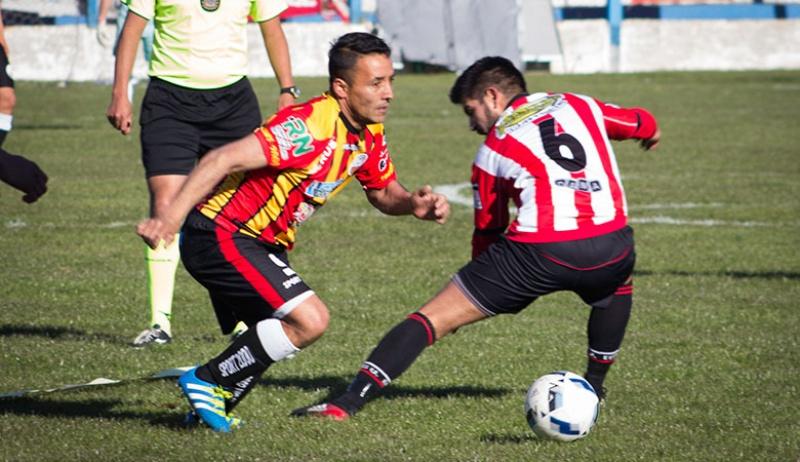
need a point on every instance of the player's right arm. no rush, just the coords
(238, 156)
(119, 112)
(636, 123)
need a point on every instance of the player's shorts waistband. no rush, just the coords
(196, 220)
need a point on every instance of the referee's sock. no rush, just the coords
(394, 354)
(161, 266)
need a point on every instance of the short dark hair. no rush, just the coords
(485, 72)
(346, 50)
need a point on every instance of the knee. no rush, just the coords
(307, 323)
(8, 99)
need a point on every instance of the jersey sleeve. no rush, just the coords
(378, 170)
(143, 8)
(264, 10)
(491, 209)
(624, 123)
(286, 139)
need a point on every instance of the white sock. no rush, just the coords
(274, 340)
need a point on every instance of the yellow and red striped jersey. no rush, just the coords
(312, 153)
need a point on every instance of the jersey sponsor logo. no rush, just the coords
(326, 155)
(303, 213)
(283, 141)
(527, 112)
(296, 132)
(321, 189)
(356, 163)
(238, 361)
(579, 185)
(384, 160)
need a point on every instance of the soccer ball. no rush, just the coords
(562, 406)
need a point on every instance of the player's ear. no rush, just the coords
(339, 88)
(494, 98)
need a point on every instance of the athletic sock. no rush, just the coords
(394, 354)
(606, 330)
(5, 126)
(242, 364)
(161, 265)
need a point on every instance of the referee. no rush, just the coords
(198, 98)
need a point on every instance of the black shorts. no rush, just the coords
(509, 275)
(247, 279)
(179, 125)
(5, 79)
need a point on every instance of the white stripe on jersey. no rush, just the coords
(563, 193)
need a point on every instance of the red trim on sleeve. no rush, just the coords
(265, 145)
(647, 124)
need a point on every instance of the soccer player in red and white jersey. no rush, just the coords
(243, 203)
(551, 155)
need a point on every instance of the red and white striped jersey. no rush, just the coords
(551, 155)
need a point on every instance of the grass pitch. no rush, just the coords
(708, 369)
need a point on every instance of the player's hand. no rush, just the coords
(285, 99)
(120, 114)
(24, 175)
(652, 142)
(427, 205)
(155, 232)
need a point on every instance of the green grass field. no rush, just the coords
(708, 370)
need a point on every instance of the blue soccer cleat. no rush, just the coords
(208, 402)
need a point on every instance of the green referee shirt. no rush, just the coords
(202, 44)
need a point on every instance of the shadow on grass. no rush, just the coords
(768, 275)
(337, 385)
(509, 438)
(57, 332)
(47, 126)
(89, 408)
(71, 333)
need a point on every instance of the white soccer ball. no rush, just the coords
(562, 406)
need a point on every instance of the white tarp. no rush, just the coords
(451, 33)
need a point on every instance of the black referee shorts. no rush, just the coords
(248, 280)
(5, 79)
(179, 125)
(510, 275)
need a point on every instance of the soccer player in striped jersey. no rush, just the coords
(243, 203)
(550, 154)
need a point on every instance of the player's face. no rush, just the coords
(369, 92)
(480, 115)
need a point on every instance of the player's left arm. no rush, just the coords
(3, 42)
(626, 123)
(238, 156)
(278, 52)
(395, 199)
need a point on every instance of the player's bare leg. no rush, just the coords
(442, 315)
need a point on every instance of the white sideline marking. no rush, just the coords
(166, 373)
(660, 220)
(453, 194)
